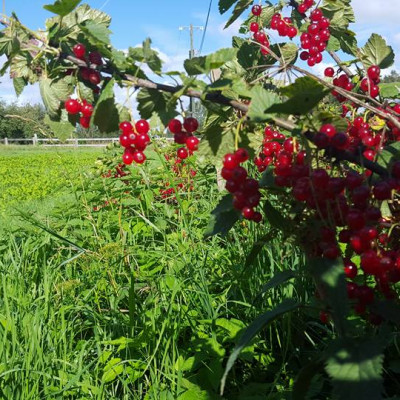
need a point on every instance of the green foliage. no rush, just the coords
(62, 7)
(377, 52)
(355, 367)
(223, 218)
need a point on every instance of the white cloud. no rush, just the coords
(376, 12)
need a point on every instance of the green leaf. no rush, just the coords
(304, 95)
(225, 5)
(222, 218)
(62, 7)
(355, 367)
(112, 370)
(19, 85)
(261, 101)
(390, 90)
(239, 9)
(275, 218)
(153, 101)
(257, 247)
(346, 39)
(389, 154)
(204, 65)
(50, 98)
(96, 32)
(105, 115)
(255, 327)
(288, 52)
(62, 129)
(331, 283)
(377, 52)
(304, 378)
(277, 280)
(151, 57)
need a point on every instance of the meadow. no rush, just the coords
(109, 289)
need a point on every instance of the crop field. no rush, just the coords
(110, 291)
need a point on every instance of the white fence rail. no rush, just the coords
(77, 142)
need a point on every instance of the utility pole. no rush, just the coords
(192, 51)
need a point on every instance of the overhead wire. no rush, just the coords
(205, 27)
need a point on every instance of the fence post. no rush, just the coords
(35, 139)
(76, 142)
(5, 141)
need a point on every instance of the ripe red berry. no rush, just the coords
(127, 157)
(192, 143)
(329, 72)
(248, 212)
(142, 141)
(139, 157)
(182, 153)
(124, 140)
(72, 106)
(87, 110)
(79, 50)
(382, 191)
(350, 269)
(373, 72)
(95, 58)
(254, 27)
(230, 161)
(175, 126)
(324, 317)
(126, 127)
(85, 122)
(256, 10)
(190, 124)
(316, 15)
(95, 77)
(242, 155)
(142, 126)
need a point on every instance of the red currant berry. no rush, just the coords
(79, 50)
(87, 110)
(175, 126)
(85, 122)
(190, 124)
(72, 106)
(230, 161)
(248, 212)
(373, 72)
(182, 153)
(126, 127)
(142, 126)
(256, 10)
(95, 77)
(329, 72)
(254, 27)
(192, 143)
(139, 157)
(242, 155)
(95, 58)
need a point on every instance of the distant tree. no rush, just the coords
(392, 77)
(22, 121)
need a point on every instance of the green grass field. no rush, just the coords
(108, 291)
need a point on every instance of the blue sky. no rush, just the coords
(134, 20)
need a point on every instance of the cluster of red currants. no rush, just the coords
(305, 6)
(284, 26)
(135, 140)
(315, 40)
(368, 84)
(348, 210)
(74, 107)
(184, 175)
(184, 135)
(245, 190)
(270, 150)
(88, 74)
(258, 35)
